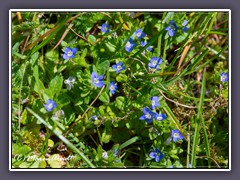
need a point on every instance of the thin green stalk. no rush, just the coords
(60, 136)
(172, 117)
(198, 119)
(159, 43)
(188, 150)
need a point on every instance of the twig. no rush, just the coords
(186, 63)
(211, 159)
(192, 107)
(63, 36)
(84, 112)
(49, 32)
(80, 36)
(136, 59)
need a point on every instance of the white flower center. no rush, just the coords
(112, 88)
(128, 44)
(96, 80)
(119, 67)
(139, 34)
(70, 53)
(148, 116)
(50, 105)
(159, 118)
(176, 135)
(153, 103)
(154, 62)
(223, 78)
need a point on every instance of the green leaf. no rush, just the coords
(122, 78)
(120, 102)
(169, 16)
(19, 149)
(107, 134)
(103, 67)
(52, 55)
(34, 58)
(55, 161)
(38, 86)
(24, 119)
(111, 47)
(55, 85)
(104, 97)
(91, 39)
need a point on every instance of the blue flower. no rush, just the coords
(155, 62)
(171, 166)
(148, 115)
(171, 28)
(156, 154)
(184, 24)
(139, 33)
(118, 67)
(69, 53)
(129, 45)
(105, 28)
(224, 77)
(160, 117)
(113, 87)
(97, 80)
(155, 102)
(50, 105)
(176, 135)
(143, 43)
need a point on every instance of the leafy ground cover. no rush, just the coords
(120, 90)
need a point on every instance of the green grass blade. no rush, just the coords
(60, 136)
(197, 127)
(129, 142)
(172, 117)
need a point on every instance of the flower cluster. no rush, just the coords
(138, 34)
(172, 27)
(98, 80)
(149, 115)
